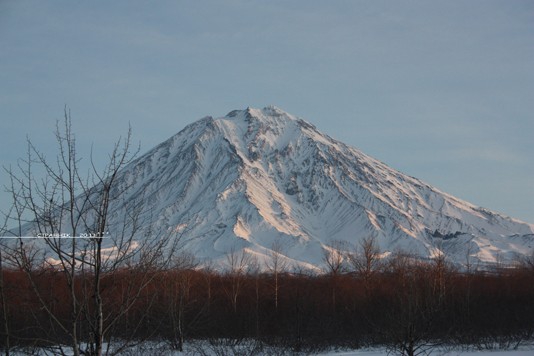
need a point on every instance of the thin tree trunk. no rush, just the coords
(99, 332)
(4, 308)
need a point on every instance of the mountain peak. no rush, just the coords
(268, 111)
(259, 177)
(275, 177)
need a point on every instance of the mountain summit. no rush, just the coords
(255, 178)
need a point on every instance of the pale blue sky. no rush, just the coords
(440, 90)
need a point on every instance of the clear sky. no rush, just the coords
(440, 90)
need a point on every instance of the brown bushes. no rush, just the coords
(407, 305)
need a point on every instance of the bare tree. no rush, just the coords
(412, 322)
(333, 257)
(179, 285)
(238, 263)
(68, 203)
(365, 260)
(207, 276)
(276, 265)
(253, 272)
(50, 203)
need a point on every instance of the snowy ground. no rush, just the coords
(380, 352)
(204, 348)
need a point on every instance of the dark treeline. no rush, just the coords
(405, 304)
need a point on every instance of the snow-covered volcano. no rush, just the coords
(255, 179)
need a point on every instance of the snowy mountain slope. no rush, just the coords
(256, 177)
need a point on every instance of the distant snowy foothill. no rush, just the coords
(255, 179)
